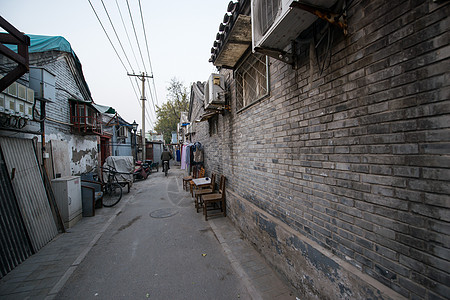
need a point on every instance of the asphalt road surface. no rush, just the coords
(158, 247)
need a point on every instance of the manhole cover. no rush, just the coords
(163, 213)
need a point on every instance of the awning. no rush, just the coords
(236, 43)
(104, 109)
(80, 100)
(99, 108)
(207, 116)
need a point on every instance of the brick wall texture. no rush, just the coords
(353, 164)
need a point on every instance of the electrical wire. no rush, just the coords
(117, 36)
(139, 47)
(135, 34)
(104, 30)
(128, 36)
(148, 114)
(148, 54)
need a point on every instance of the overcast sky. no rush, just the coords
(179, 35)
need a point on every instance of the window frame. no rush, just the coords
(235, 75)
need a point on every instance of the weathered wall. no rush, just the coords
(342, 180)
(82, 149)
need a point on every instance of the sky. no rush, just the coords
(179, 35)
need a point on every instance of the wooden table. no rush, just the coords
(201, 181)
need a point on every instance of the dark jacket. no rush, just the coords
(166, 155)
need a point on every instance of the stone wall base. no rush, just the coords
(312, 270)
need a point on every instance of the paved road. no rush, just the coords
(152, 245)
(158, 247)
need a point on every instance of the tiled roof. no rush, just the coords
(233, 19)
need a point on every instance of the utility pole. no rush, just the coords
(142, 78)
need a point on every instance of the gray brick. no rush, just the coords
(362, 146)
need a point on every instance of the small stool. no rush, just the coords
(186, 181)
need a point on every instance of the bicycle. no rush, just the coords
(112, 190)
(165, 167)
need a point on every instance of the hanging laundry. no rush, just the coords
(198, 153)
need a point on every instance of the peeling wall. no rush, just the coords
(82, 151)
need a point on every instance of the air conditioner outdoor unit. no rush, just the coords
(20, 108)
(215, 91)
(12, 89)
(43, 83)
(10, 105)
(30, 95)
(28, 110)
(21, 92)
(2, 102)
(275, 23)
(123, 131)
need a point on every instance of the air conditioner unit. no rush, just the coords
(10, 105)
(215, 91)
(275, 23)
(21, 92)
(123, 131)
(28, 110)
(43, 83)
(12, 89)
(30, 95)
(2, 102)
(20, 108)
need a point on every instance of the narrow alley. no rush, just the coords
(152, 245)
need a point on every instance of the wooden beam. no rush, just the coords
(22, 41)
(22, 38)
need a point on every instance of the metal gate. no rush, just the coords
(28, 186)
(15, 245)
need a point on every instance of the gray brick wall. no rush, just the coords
(355, 160)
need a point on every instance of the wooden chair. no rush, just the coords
(215, 201)
(187, 179)
(203, 190)
(186, 182)
(201, 174)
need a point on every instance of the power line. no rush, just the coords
(108, 36)
(139, 47)
(117, 36)
(135, 34)
(126, 32)
(148, 117)
(148, 54)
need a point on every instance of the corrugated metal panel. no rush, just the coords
(15, 245)
(157, 150)
(29, 189)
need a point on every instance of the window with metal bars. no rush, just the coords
(251, 79)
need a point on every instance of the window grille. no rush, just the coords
(251, 80)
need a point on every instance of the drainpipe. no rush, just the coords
(43, 135)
